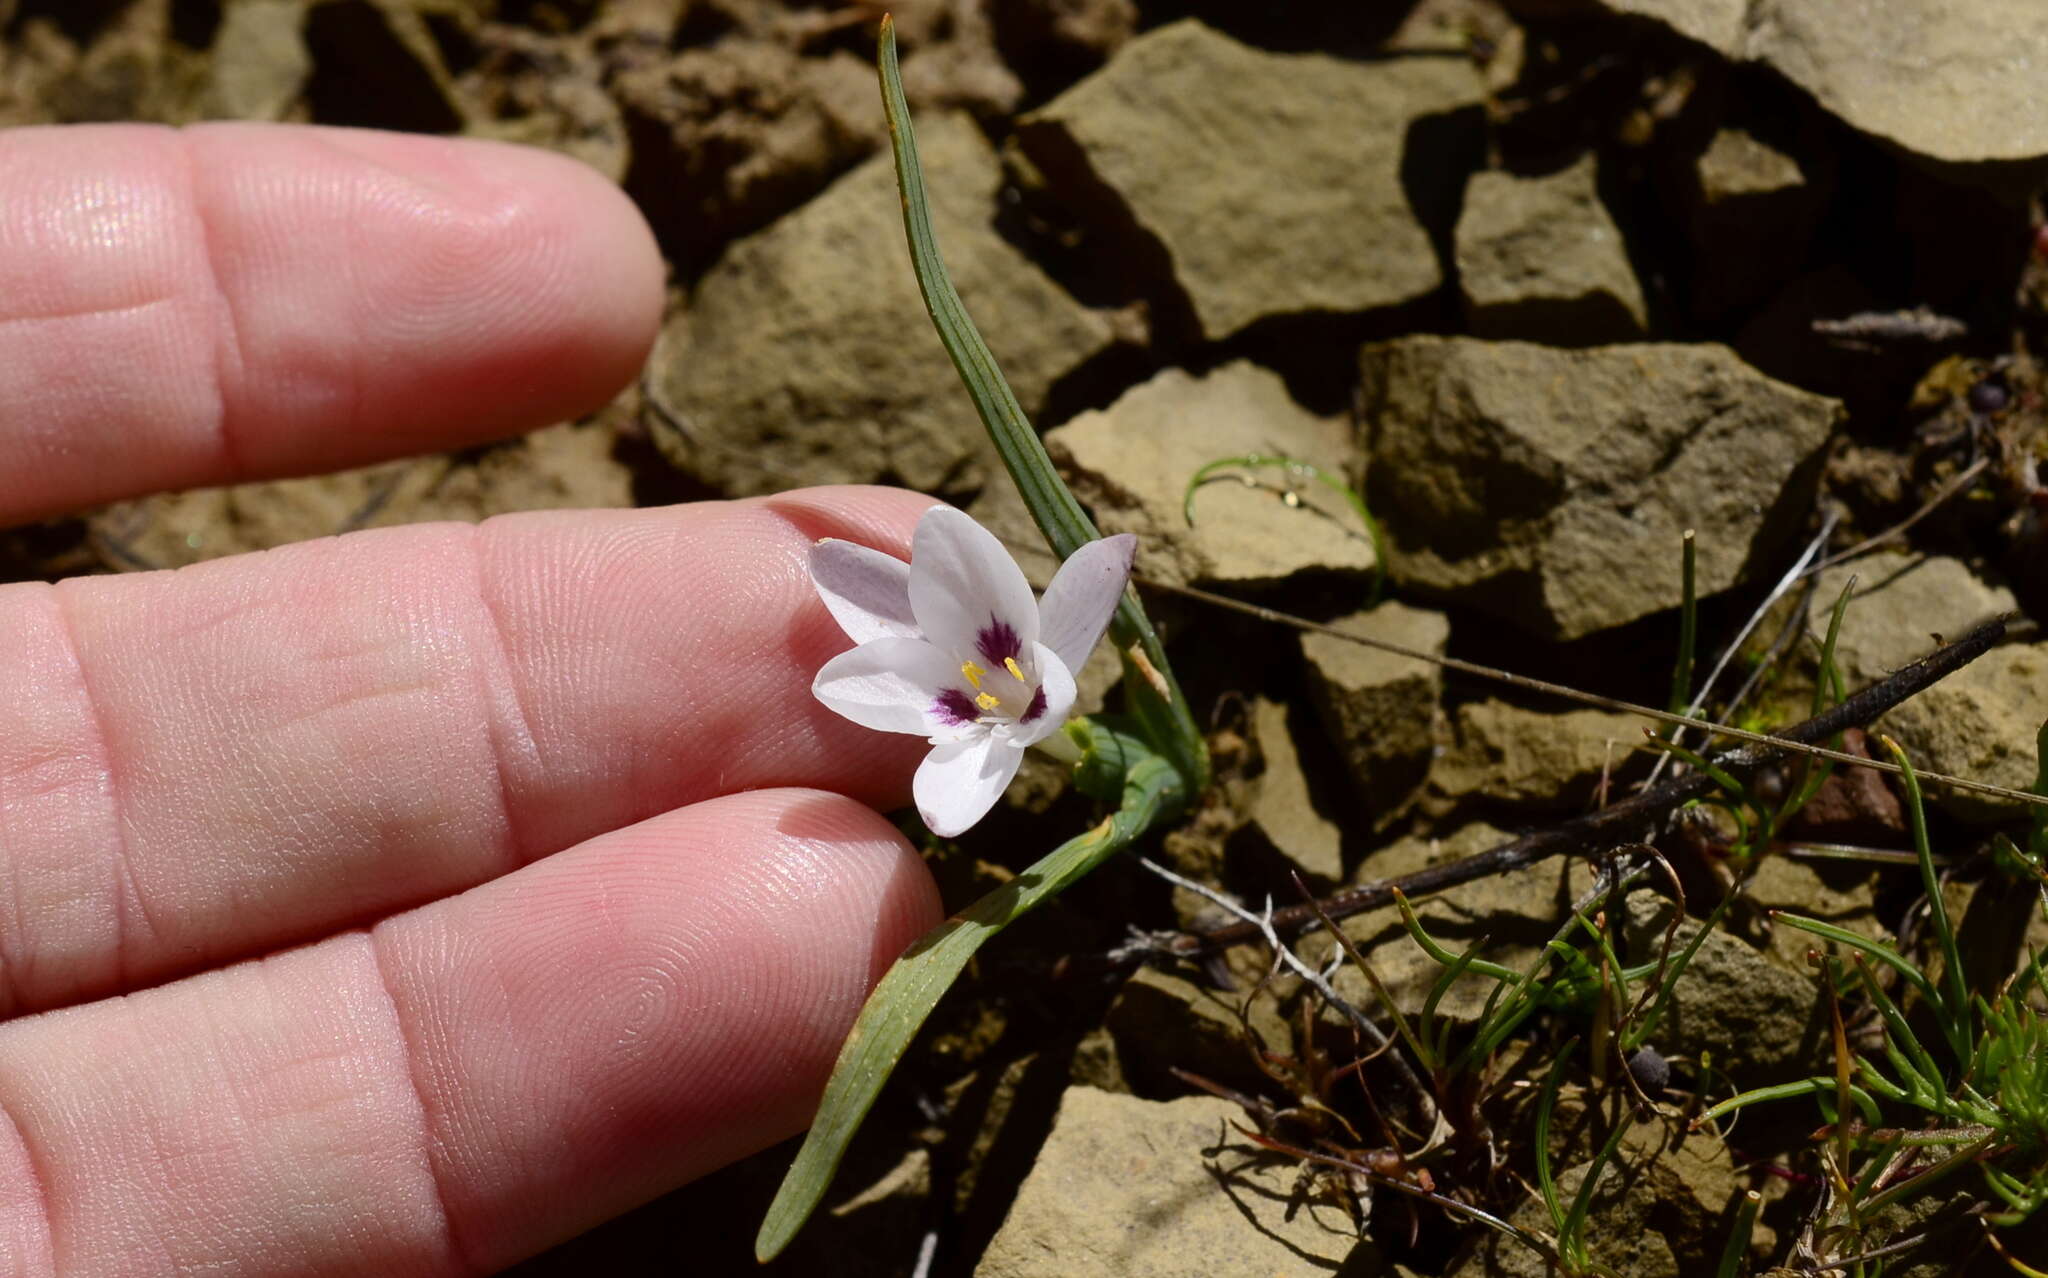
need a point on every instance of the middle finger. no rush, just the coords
(196, 766)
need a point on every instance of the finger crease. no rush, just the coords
(228, 359)
(496, 729)
(38, 1179)
(459, 1254)
(126, 890)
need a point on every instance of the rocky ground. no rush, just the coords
(1548, 282)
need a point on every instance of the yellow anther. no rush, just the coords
(1010, 664)
(988, 701)
(973, 673)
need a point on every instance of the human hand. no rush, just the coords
(402, 902)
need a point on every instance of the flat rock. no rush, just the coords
(1379, 709)
(1958, 81)
(1174, 138)
(1130, 464)
(1980, 722)
(1281, 808)
(1552, 487)
(806, 356)
(1508, 756)
(1540, 259)
(1129, 1188)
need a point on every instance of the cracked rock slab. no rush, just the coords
(1958, 81)
(1273, 183)
(1553, 487)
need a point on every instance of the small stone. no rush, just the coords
(1956, 81)
(258, 64)
(1380, 709)
(1130, 463)
(1502, 754)
(1762, 1022)
(1853, 805)
(1979, 722)
(1752, 219)
(1167, 141)
(1129, 1188)
(1281, 808)
(806, 355)
(1540, 259)
(1552, 487)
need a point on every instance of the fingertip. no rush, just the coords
(508, 285)
(584, 275)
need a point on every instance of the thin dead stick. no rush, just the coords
(1628, 821)
(1934, 503)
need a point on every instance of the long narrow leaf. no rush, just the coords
(1155, 696)
(1954, 1006)
(911, 988)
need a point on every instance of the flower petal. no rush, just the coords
(970, 598)
(1056, 688)
(895, 685)
(1083, 594)
(960, 781)
(867, 591)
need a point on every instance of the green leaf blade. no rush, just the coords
(913, 986)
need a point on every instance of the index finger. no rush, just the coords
(237, 301)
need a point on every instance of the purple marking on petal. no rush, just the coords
(997, 642)
(956, 708)
(1036, 708)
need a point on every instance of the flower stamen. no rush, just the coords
(988, 701)
(973, 673)
(1010, 664)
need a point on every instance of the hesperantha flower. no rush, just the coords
(953, 647)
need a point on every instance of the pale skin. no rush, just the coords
(405, 902)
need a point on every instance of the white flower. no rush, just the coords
(953, 647)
